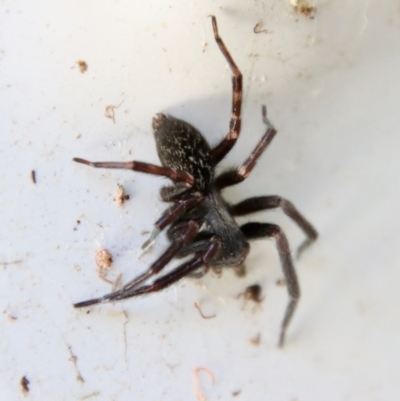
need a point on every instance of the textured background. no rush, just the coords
(332, 86)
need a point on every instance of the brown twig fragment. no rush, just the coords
(197, 306)
(73, 359)
(199, 394)
(33, 176)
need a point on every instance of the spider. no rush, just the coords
(200, 221)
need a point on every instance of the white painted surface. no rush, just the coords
(332, 88)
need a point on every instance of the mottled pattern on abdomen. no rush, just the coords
(182, 147)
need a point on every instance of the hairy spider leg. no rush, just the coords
(222, 149)
(175, 275)
(178, 273)
(261, 230)
(170, 215)
(258, 203)
(232, 177)
(155, 268)
(255, 204)
(174, 175)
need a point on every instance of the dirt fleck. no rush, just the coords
(281, 282)
(103, 259)
(304, 7)
(25, 385)
(121, 196)
(253, 293)
(258, 28)
(255, 340)
(199, 394)
(109, 113)
(82, 65)
(33, 176)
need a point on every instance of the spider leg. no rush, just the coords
(257, 203)
(170, 215)
(181, 271)
(232, 177)
(222, 149)
(174, 175)
(164, 281)
(262, 230)
(155, 268)
(171, 193)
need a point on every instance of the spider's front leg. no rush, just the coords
(128, 290)
(232, 177)
(173, 174)
(222, 149)
(179, 176)
(263, 230)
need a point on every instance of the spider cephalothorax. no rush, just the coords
(200, 222)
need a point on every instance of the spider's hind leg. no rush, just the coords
(265, 230)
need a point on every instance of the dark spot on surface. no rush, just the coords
(253, 293)
(33, 176)
(258, 28)
(24, 384)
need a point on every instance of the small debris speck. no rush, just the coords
(281, 282)
(253, 293)
(25, 385)
(110, 111)
(33, 176)
(304, 7)
(82, 66)
(103, 258)
(255, 340)
(121, 196)
(258, 28)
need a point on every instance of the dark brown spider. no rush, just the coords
(200, 222)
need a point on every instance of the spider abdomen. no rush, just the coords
(182, 147)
